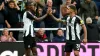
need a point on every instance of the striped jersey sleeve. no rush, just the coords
(79, 20)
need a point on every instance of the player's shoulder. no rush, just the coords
(25, 12)
(78, 17)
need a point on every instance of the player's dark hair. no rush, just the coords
(73, 8)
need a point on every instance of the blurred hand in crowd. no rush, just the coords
(16, 6)
(54, 11)
(2, 6)
(8, 26)
(11, 34)
(74, 3)
(49, 11)
(96, 17)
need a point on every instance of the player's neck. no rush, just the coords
(72, 15)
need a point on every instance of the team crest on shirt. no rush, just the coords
(70, 24)
(81, 22)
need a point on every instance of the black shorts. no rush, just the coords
(29, 42)
(69, 46)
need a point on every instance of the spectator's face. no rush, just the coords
(5, 32)
(49, 3)
(60, 33)
(11, 5)
(41, 32)
(68, 2)
(11, 34)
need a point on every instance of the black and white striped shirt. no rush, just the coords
(28, 24)
(28, 19)
(73, 27)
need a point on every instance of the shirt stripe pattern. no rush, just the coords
(73, 27)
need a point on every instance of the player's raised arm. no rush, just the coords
(56, 19)
(36, 18)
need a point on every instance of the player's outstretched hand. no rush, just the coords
(84, 41)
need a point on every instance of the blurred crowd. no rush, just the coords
(11, 15)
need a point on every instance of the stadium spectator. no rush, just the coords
(2, 15)
(60, 36)
(12, 17)
(6, 37)
(93, 31)
(49, 22)
(49, 19)
(56, 4)
(89, 9)
(41, 36)
(76, 3)
(39, 24)
(39, 4)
